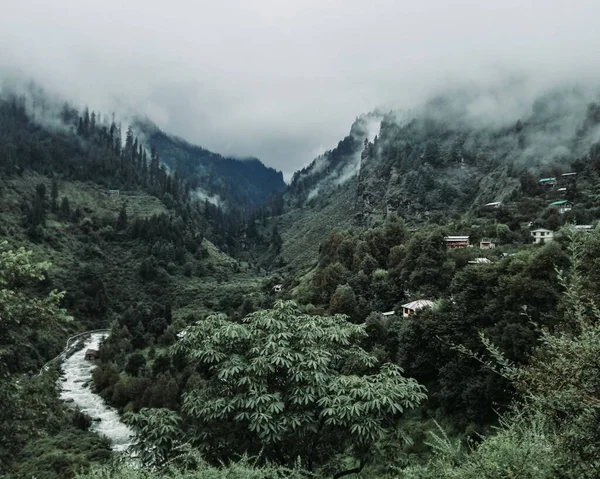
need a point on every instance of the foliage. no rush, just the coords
(30, 407)
(290, 385)
(245, 468)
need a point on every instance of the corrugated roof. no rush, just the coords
(456, 238)
(479, 261)
(545, 180)
(539, 230)
(559, 202)
(418, 304)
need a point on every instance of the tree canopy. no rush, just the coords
(290, 385)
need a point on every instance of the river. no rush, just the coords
(76, 373)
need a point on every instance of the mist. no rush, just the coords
(283, 81)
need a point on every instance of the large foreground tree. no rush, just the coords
(290, 386)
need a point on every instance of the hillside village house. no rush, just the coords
(584, 227)
(414, 306)
(486, 244)
(547, 181)
(563, 205)
(457, 241)
(479, 261)
(493, 205)
(542, 235)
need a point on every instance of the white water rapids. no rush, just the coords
(77, 372)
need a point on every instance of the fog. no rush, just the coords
(283, 81)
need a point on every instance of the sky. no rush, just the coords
(283, 80)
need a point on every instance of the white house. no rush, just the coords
(542, 235)
(414, 306)
(486, 244)
(278, 288)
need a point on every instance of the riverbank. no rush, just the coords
(76, 390)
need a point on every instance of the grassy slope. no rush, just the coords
(115, 258)
(303, 230)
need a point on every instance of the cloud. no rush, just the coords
(278, 80)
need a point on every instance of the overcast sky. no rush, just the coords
(284, 79)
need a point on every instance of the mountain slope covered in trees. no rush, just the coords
(220, 374)
(229, 182)
(442, 159)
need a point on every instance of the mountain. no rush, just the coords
(444, 158)
(244, 184)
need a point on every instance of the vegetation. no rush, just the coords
(223, 375)
(37, 435)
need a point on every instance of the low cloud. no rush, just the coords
(277, 80)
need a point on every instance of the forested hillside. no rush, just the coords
(446, 158)
(332, 331)
(125, 239)
(244, 184)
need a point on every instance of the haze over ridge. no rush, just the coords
(283, 81)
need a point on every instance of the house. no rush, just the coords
(562, 191)
(493, 205)
(92, 355)
(569, 176)
(414, 306)
(388, 313)
(486, 244)
(479, 261)
(113, 192)
(278, 288)
(547, 181)
(584, 227)
(542, 235)
(563, 205)
(457, 241)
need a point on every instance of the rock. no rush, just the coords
(68, 400)
(97, 419)
(79, 381)
(86, 384)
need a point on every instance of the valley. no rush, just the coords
(247, 328)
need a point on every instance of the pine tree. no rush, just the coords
(65, 208)
(86, 122)
(54, 196)
(122, 219)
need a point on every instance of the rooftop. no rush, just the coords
(541, 230)
(546, 180)
(479, 261)
(559, 202)
(418, 304)
(456, 238)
